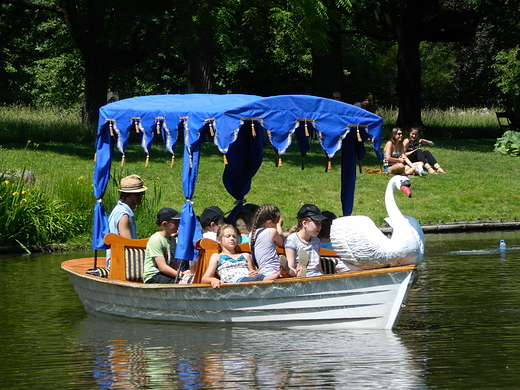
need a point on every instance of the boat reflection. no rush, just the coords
(138, 355)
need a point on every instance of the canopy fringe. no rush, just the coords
(358, 135)
(210, 122)
(306, 129)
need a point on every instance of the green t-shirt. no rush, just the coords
(158, 245)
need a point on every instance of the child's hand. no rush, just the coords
(253, 273)
(215, 283)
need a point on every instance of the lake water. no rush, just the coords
(460, 329)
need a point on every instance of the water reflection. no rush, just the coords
(460, 329)
(135, 355)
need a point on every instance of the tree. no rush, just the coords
(109, 34)
(410, 22)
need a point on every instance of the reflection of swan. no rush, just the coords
(359, 241)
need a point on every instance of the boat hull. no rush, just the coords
(355, 300)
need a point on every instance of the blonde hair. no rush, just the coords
(220, 234)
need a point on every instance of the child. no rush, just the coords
(210, 220)
(161, 248)
(266, 235)
(232, 267)
(303, 247)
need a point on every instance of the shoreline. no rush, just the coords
(428, 228)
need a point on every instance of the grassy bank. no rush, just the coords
(478, 184)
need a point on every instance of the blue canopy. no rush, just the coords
(236, 121)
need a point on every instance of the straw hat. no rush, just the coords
(132, 184)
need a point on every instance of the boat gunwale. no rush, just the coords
(68, 267)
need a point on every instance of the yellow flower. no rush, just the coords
(15, 193)
(24, 200)
(24, 192)
(6, 182)
(81, 178)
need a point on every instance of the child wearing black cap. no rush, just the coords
(210, 220)
(160, 249)
(302, 247)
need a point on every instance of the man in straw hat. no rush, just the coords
(121, 220)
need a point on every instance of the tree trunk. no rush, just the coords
(408, 86)
(199, 57)
(95, 92)
(327, 68)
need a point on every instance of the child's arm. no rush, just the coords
(290, 254)
(276, 235)
(210, 272)
(164, 268)
(250, 264)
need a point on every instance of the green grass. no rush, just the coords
(479, 184)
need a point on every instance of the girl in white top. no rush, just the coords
(231, 267)
(302, 247)
(266, 235)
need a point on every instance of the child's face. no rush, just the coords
(171, 226)
(312, 227)
(228, 239)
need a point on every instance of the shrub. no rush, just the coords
(509, 143)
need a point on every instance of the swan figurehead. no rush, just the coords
(357, 240)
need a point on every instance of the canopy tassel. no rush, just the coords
(211, 130)
(158, 127)
(123, 160)
(147, 160)
(306, 130)
(95, 156)
(253, 128)
(358, 135)
(191, 161)
(225, 159)
(329, 165)
(279, 161)
(172, 161)
(111, 128)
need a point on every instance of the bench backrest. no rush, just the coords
(208, 247)
(126, 257)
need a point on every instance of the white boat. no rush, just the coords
(370, 299)
(367, 299)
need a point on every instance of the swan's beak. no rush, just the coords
(406, 190)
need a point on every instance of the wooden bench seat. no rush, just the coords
(127, 257)
(207, 247)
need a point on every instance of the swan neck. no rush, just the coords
(391, 207)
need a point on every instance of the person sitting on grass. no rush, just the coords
(412, 146)
(395, 160)
(160, 250)
(231, 267)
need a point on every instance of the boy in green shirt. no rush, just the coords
(160, 250)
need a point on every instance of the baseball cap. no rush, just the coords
(312, 212)
(167, 213)
(210, 214)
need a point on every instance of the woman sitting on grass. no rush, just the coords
(412, 146)
(396, 162)
(231, 267)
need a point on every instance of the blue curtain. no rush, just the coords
(189, 228)
(244, 158)
(104, 148)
